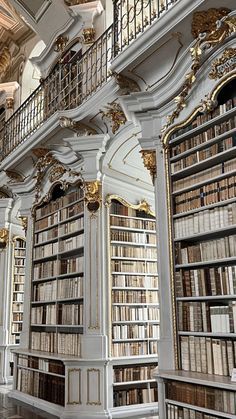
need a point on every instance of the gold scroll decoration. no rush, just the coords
(92, 195)
(4, 238)
(224, 64)
(149, 161)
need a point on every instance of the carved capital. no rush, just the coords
(92, 195)
(4, 238)
(76, 126)
(10, 103)
(89, 35)
(116, 115)
(126, 84)
(24, 223)
(149, 160)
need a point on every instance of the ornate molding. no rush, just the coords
(14, 176)
(204, 21)
(5, 61)
(92, 195)
(126, 84)
(9, 103)
(149, 160)
(4, 237)
(88, 35)
(141, 206)
(76, 126)
(116, 116)
(224, 64)
(224, 28)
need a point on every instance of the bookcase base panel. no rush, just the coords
(135, 411)
(51, 408)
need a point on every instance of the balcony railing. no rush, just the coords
(70, 84)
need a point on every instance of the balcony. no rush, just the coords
(70, 84)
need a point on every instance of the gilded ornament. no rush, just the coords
(60, 43)
(40, 152)
(10, 103)
(14, 176)
(4, 238)
(149, 160)
(205, 20)
(224, 64)
(76, 126)
(24, 222)
(223, 29)
(92, 195)
(88, 35)
(126, 84)
(141, 206)
(116, 116)
(56, 172)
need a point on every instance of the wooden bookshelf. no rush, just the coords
(134, 304)
(202, 183)
(18, 281)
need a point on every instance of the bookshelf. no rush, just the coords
(18, 280)
(134, 322)
(201, 181)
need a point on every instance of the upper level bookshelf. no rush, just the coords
(18, 281)
(57, 285)
(202, 184)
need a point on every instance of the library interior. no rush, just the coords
(117, 209)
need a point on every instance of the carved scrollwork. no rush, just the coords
(92, 195)
(149, 160)
(126, 84)
(76, 126)
(224, 64)
(14, 176)
(24, 222)
(205, 20)
(4, 237)
(116, 115)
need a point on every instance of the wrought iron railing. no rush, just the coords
(69, 84)
(132, 17)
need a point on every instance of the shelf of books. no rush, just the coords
(134, 304)
(57, 294)
(17, 304)
(202, 164)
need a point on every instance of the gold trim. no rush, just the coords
(224, 64)
(60, 43)
(4, 238)
(96, 402)
(92, 195)
(141, 206)
(74, 402)
(225, 27)
(149, 161)
(88, 35)
(205, 20)
(116, 116)
(24, 222)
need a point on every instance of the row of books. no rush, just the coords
(18, 297)
(204, 136)
(204, 221)
(204, 175)
(134, 348)
(19, 262)
(207, 250)
(134, 373)
(17, 306)
(61, 267)
(134, 266)
(133, 223)
(19, 271)
(206, 281)
(202, 396)
(127, 236)
(134, 281)
(49, 365)
(19, 278)
(207, 355)
(176, 412)
(64, 288)
(135, 331)
(18, 287)
(203, 118)
(19, 252)
(58, 231)
(17, 317)
(126, 313)
(43, 386)
(61, 246)
(120, 209)
(59, 203)
(67, 314)
(46, 250)
(16, 327)
(205, 153)
(134, 396)
(65, 214)
(61, 343)
(134, 252)
(206, 195)
(135, 296)
(201, 317)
